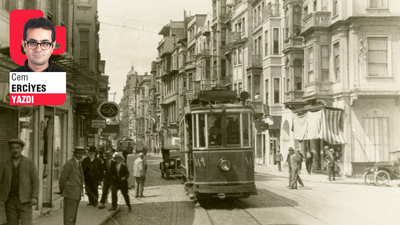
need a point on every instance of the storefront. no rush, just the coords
(317, 127)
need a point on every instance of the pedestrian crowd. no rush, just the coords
(86, 170)
(294, 161)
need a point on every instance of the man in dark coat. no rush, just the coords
(120, 176)
(279, 159)
(295, 160)
(331, 163)
(71, 185)
(309, 160)
(108, 178)
(93, 174)
(19, 185)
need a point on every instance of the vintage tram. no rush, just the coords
(217, 147)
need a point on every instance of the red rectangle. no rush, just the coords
(37, 99)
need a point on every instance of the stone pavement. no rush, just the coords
(86, 215)
(313, 177)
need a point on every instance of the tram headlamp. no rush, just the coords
(172, 162)
(225, 165)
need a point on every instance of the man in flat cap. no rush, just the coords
(71, 185)
(331, 163)
(93, 175)
(120, 176)
(106, 169)
(19, 185)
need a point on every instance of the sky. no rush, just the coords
(129, 34)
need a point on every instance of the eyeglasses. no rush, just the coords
(33, 45)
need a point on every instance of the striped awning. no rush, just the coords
(326, 124)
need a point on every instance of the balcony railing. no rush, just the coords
(256, 61)
(207, 84)
(316, 19)
(271, 11)
(294, 96)
(236, 36)
(205, 52)
(293, 42)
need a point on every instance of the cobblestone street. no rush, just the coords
(318, 202)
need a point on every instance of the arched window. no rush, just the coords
(376, 127)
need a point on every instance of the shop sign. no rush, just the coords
(111, 129)
(108, 110)
(98, 123)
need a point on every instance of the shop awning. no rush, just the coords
(325, 123)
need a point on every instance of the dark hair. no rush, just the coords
(39, 22)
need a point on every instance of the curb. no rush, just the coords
(113, 214)
(314, 181)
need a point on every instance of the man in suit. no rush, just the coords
(309, 160)
(93, 175)
(290, 153)
(139, 172)
(19, 185)
(331, 163)
(71, 185)
(295, 161)
(106, 168)
(120, 176)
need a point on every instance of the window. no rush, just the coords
(240, 88)
(234, 57)
(310, 65)
(336, 53)
(377, 56)
(324, 63)
(376, 125)
(266, 89)
(84, 48)
(377, 4)
(276, 90)
(276, 41)
(246, 130)
(287, 85)
(305, 11)
(243, 26)
(335, 7)
(232, 130)
(266, 43)
(214, 130)
(298, 76)
(240, 55)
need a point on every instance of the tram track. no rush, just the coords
(229, 209)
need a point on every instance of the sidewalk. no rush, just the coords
(86, 215)
(313, 177)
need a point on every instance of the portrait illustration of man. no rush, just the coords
(39, 41)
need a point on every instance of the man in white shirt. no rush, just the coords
(139, 172)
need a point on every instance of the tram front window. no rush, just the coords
(214, 131)
(233, 130)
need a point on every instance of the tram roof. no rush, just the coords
(226, 106)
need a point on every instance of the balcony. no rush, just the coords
(236, 36)
(256, 61)
(294, 96)
(271, 10)
(293, 42)
(316, 19)
(207, 84)
(204, 53)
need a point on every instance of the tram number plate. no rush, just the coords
(199, 162)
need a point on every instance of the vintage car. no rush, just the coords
(171, 161)
(383, 172)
